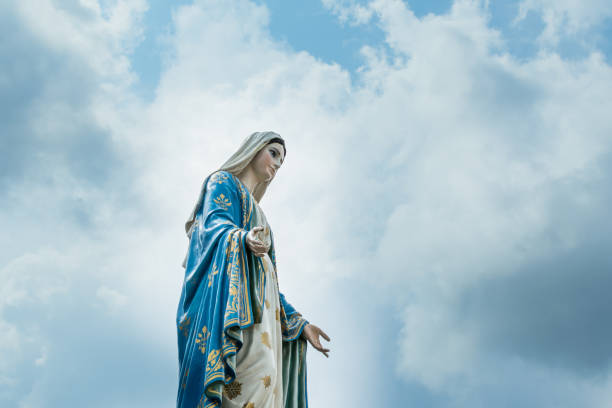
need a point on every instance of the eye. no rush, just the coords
(273, 152)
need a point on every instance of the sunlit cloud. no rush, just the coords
(441, 213)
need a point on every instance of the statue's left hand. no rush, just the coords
(311, 333)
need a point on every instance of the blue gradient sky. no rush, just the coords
(442, 213)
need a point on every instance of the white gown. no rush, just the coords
(259, 371)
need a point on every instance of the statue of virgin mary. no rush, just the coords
(240, 343)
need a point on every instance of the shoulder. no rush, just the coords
(225, 182)
(220, 178)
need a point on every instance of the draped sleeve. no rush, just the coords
(292, 322)
(219, 296)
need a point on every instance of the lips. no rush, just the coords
(273, 171)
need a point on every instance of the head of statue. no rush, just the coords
(258, 152)
(264, 152)
(268, 160)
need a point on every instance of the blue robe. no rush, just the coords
(223, 294)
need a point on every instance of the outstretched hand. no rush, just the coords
(311, 333)
(255, 244)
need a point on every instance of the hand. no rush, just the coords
(254, 244)
(311, 333)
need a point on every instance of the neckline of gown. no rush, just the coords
(248, 191)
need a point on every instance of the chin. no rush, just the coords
(265, 178)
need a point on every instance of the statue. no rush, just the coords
(240, 343)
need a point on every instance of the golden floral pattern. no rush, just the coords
(248, 405)
(266, 381)
(222, 201)
(232, 390)
(184, 382)
(277, 314)
(267, 304)
(219, 178)
(211, 275)
(202, 339)
(265, 339)
(184, 326)
(214, 362)
(231, 311)
(238, 308)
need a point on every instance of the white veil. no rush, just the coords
(235, 164)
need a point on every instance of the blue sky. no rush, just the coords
(309, 26)
(442, 213)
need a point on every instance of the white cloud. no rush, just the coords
(449, 165)
(475, 149)
(101, 38)
(349, 11)
(566, 17)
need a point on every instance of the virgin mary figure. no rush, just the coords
(240, 343)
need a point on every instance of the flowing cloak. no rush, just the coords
(223, 293)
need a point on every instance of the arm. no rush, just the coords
(298, 326)
(215, 221)
(221, 207)
(292, 322)
(216, 299)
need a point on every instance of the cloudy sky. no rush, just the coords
(443, 212)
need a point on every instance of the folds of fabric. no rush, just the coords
(294, 373)
(223, 294)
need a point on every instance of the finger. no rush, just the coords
(316, 343)
(325, 336)
(260, 228)
(256, 248)
(325, 354)
(254, 241)
(322, 349)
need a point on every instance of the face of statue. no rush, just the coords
(268, 160)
